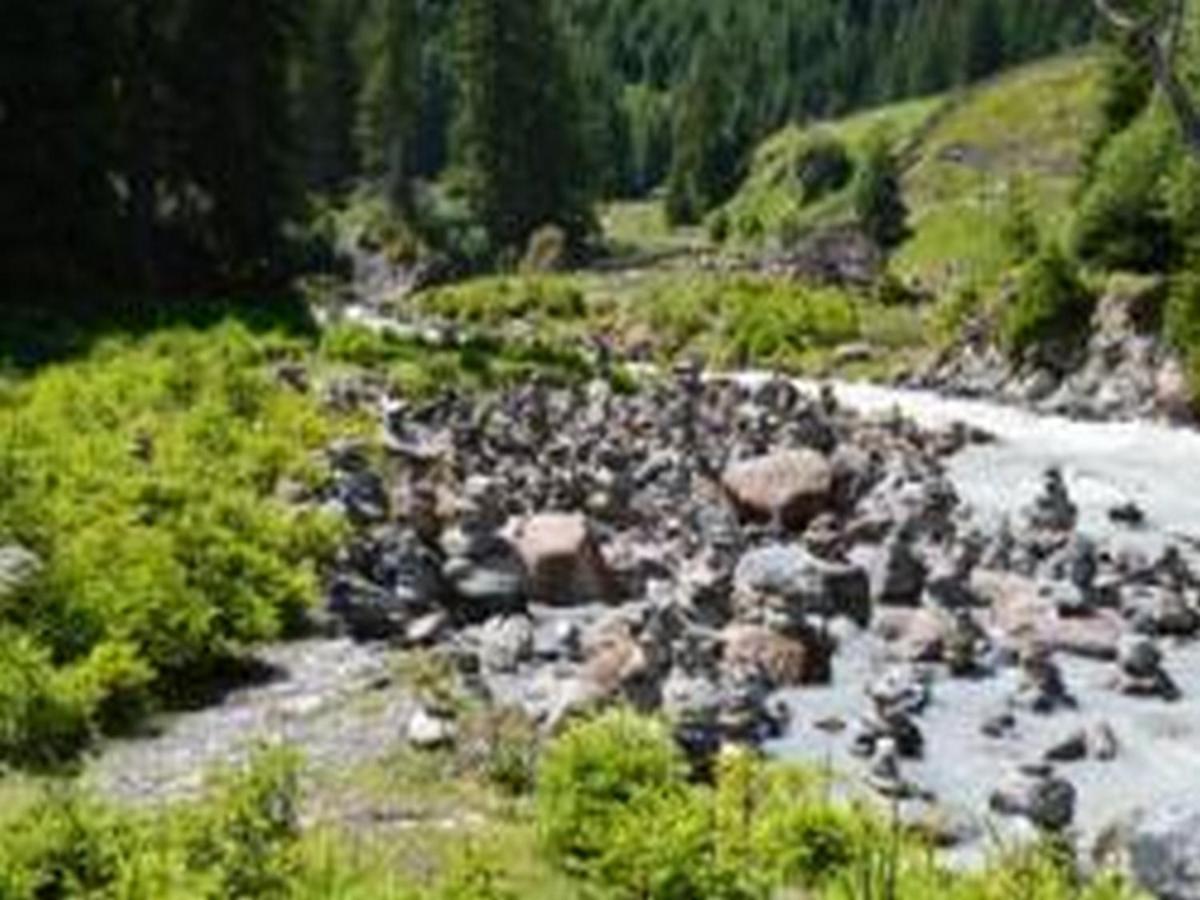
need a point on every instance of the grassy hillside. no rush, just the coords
(963, 153)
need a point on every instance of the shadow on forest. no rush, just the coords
(34, 333)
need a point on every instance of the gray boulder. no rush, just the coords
(18, 568)
(796, 583)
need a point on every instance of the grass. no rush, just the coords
(613, 815)
(962, 153)
(770, 203)
(727, 320)
(1034, 124)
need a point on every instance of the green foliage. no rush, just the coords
(614, 808)
(388, 101)
(1019, 230)
(1122, 220)
(1181, 318)
(144, 476)
(706, 164)
(516, 88)
(246, 835)
(878, 197)
(492, 301)
(590, 776)
(480, 361)
(745, 321)
(239, 842)
(1051, 310)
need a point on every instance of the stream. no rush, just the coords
(316, 700)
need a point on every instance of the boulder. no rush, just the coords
(781, 584)
(916, 635)
(897, 574)
(485, 573)
(368, 612)
(789, 487)
(617, 666)
(784, 661)
(428, 731)
(565, 564)
(18, 568)
(505, 642)
(1021, 613)
(1038, 795)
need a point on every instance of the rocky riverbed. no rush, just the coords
(986, 617)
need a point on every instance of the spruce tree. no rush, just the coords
(517, 139)
(982, 41)
(705, 162)
(57, 207)
(389, 100)
(234, 117)
(328, 94)
(878, 197)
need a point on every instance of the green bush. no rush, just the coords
(590, 776)
(144, 476)
(241, 840)
(494, 301)
(745, 320)
(821, 165)
(1052, 308)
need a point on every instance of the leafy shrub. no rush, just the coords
(1019, 228)
(246, 836)
(1123, 220)
(590, 775)
(743, 320)
(1051, 310)
(821, 165)
(42, 720)
(1181, 318)
(494, 301)
(144, 475)
(238, 841)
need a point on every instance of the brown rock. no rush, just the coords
(915, 635)
(791, 486)
(785, 661)
(617, 666)
(565, 565)
(1021, 615)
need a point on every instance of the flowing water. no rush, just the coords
(1155, 466)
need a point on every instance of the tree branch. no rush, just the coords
(1158, 38)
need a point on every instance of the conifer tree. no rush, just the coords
(878, 197)
(704, 166)
(330, 85)
(390, 96)
(235, 119)
(517, 138)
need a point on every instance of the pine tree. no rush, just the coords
(328, 94)
(57, 208)
(982, 41)
(517, 138)
(234, 118)
(878, 197)
(389, 100)
(704, 165)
